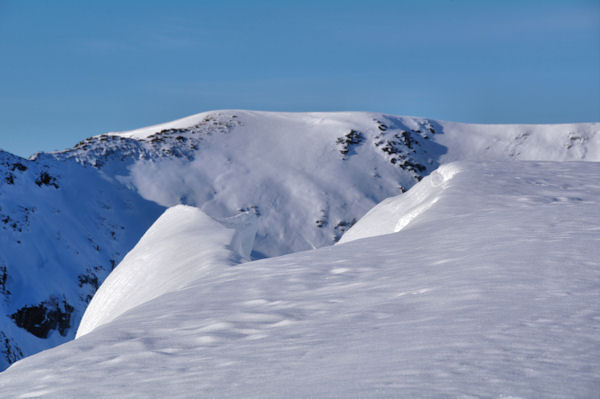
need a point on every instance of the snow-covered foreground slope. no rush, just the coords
(492, 291)
(67, 218)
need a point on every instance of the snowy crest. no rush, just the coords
(184, 243)
(396, 213)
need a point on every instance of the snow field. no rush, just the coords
(490, 292)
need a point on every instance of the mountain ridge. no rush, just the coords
(72, 215)
(490, 292)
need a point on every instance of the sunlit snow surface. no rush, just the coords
(151, 270)
(492, 291)
(306, 176)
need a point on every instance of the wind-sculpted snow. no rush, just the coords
(182, 245)
(395, 213)
(492, 292)
(67, 218)
(561, 142)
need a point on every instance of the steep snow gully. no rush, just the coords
(268, 184)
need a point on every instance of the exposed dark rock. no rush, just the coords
(400, 148)
(322, 221)
(91, 280)
(381, 126)
(3, 279)
(100, 150)
(252, 209)
(12, 224)
(45, 179)
(9, 349)
(347, 143)
(341, 228)
(39, 320)
(18, 166)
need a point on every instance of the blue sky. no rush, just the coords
(73, 69)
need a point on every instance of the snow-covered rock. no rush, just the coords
(63, 228)
(490, 292)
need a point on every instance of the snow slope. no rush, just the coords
(183, 242)
(309, 175)
(395, 213)
(492, 291)
(63, 228)
(306, 176)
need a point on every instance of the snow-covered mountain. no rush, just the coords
(63, 228)
(68, 218)
(491, 290)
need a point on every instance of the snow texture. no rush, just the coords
(491, 291)
(196, 244)
(385, 218)
(68, 218)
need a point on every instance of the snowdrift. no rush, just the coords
(183, 243)
(395, 213)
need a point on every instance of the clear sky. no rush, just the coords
(73, 69)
